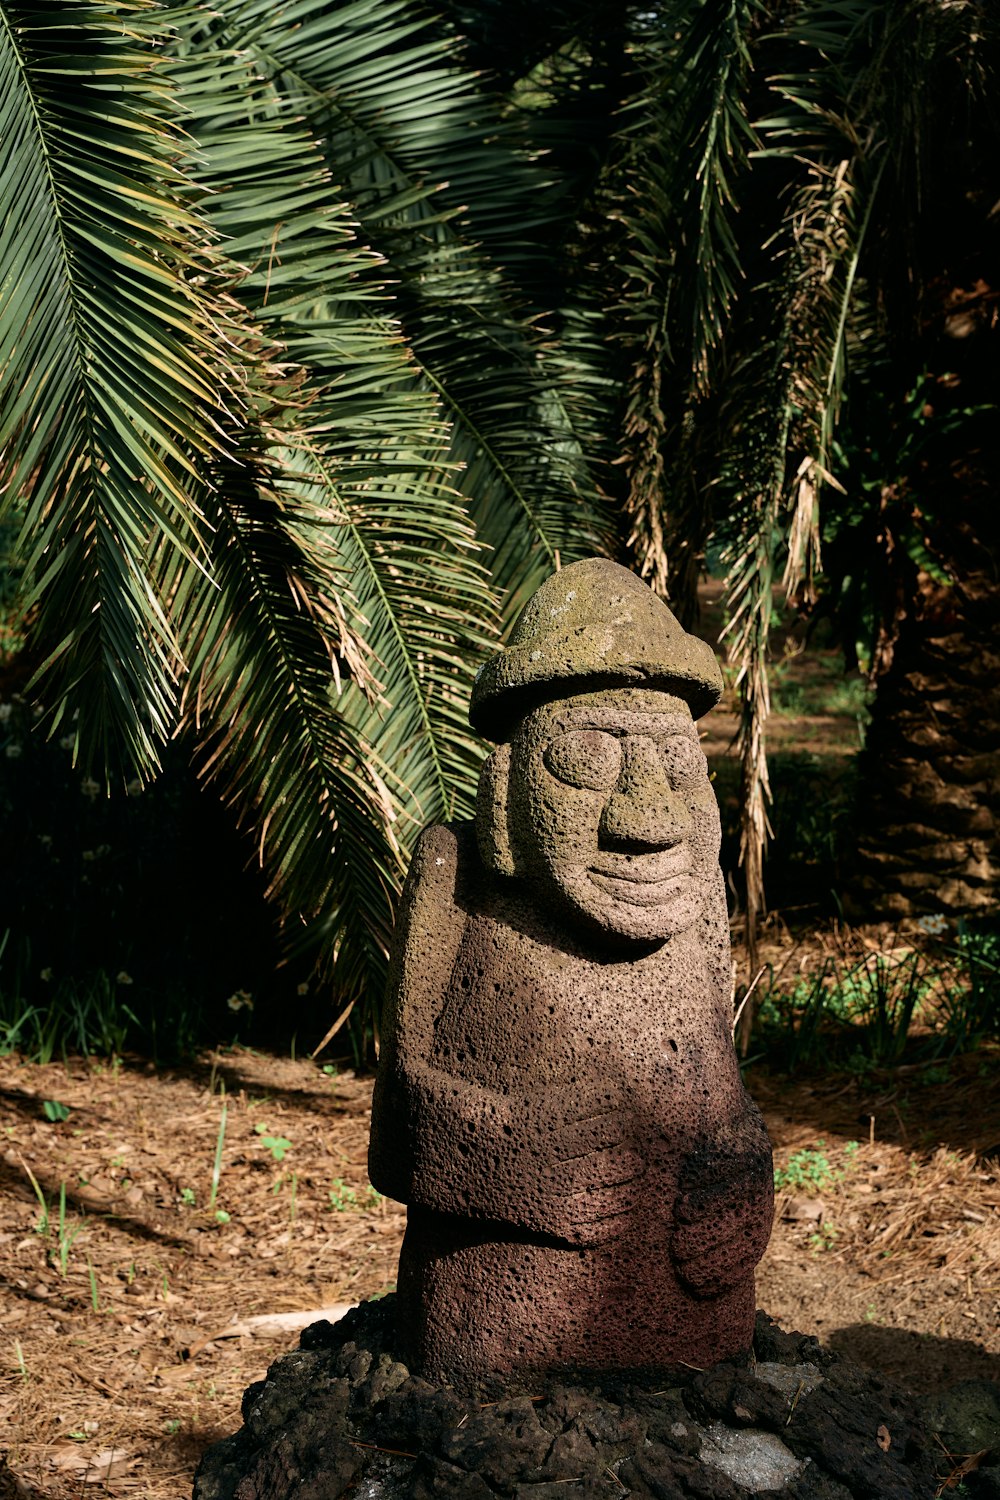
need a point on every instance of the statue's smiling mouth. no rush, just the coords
(643, 880)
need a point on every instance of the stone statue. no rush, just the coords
(558, 1099)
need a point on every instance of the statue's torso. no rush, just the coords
(520, 1012)
(588, 1181)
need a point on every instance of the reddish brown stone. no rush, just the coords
(558, 1098)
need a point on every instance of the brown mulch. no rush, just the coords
(118, 1368)
(120, 1339)
(895, 1258)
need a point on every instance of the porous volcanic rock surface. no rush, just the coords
(343, 1416)
(558, 1101)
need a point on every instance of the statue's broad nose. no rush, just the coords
(643, 808)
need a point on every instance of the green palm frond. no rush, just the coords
(339, 549)
(263, 650)
(712, 137)
(408, 132)
(315, 351)
(858, 131)
(689, 150)
(851, 129)
(409, 141)
(108, 362)
(517, 455)
(428, 600)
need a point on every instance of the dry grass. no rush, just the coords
(895, 1257)
(119, 1372)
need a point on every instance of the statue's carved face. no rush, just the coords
(612, 810)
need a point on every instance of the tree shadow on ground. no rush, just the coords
(918, 1361)
(274, 1077)
(956, 1105)
(16, 1183)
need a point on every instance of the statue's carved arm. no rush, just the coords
(725, 1206)
(557, 1162)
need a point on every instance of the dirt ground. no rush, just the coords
(131, 1270)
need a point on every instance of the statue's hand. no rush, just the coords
(724, 1209)
(593, 1168)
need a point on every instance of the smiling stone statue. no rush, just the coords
(558, 1099)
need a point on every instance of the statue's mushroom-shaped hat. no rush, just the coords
(591, 625)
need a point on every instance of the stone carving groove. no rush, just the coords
(558, 1100)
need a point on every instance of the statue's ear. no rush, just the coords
(492, 823)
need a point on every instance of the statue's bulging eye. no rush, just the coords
(585, 758)
(683, 759)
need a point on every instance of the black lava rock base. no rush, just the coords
(344, 1417)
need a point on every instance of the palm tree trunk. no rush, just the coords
(930, 772)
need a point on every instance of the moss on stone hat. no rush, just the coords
(592, 625)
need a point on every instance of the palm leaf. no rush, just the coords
(849, 128)
(688, 148)
(409, 140)
(108, 365)
(270, 737)
(338, 549)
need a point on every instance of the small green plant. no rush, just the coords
(221, 1217)
(217, 1165)
(292, 1179)
(82, 1017)
(825, 1237)
(931, 1076)
(810, 1168)
(859, 1065)
(65, 1236)
(866, 1003)
(54, 1111)
(806, 1169)
(43, 1223)
(95, 1297)
(886, 992)
(14, 1029)
(188, 1197)
(342, 1197)
(278, 1145)
(971, 1007)
(172, 1425)
(20, 1361)
(796, 1023)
